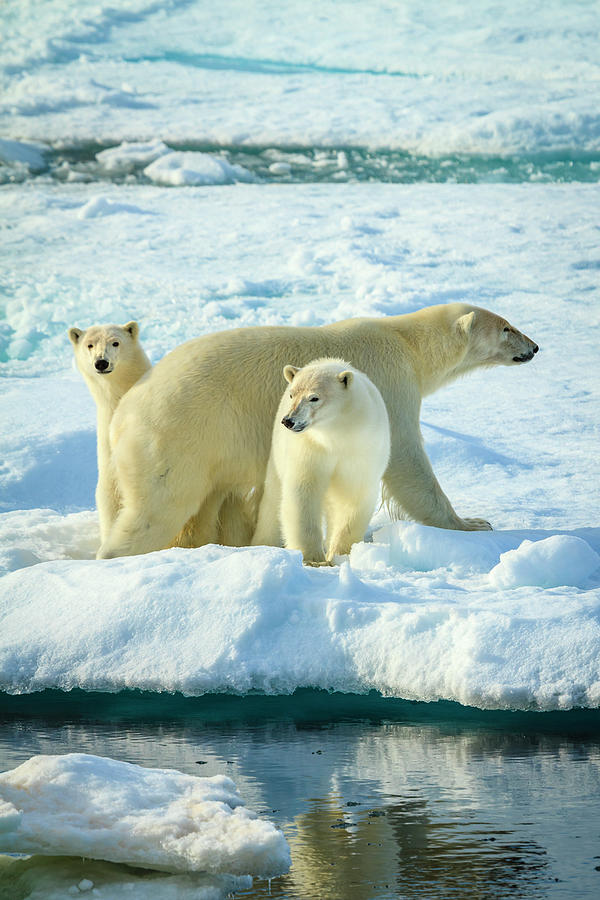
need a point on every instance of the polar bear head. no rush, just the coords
(493, 341)
(317, 392)
(99, 349)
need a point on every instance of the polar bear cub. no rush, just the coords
(111, 360)
(330, 448)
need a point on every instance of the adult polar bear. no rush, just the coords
(197, 429)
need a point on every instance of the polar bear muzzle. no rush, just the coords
(525, 357)
(292, 424)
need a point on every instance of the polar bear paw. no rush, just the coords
(475, 525)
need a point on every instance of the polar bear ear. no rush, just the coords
(289, 372)
(465, 323)
(133, 328)
(75, 334)
(346, 378)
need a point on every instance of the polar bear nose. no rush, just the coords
(101, 365)
(536, 348)
(289, 423)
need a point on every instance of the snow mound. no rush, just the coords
(19, 160)
(419, 547)
(28, 538)
(190, 168)
(102, 206)
(556, 561)
(100, 808)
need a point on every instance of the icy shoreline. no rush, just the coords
(417, 614)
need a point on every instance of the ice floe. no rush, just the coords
(225, 619)
(99, 808)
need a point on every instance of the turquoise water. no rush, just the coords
(378, 798)
(343, 165)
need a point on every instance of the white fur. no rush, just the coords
(197, 429)
(330, 448)
(111, 360)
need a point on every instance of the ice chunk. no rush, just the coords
(191, 168)
(100, 808)
(130, 155)
(25, 153)
(556, 561)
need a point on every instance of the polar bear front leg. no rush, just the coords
(410, 487)
(301, 515)
(347, 522)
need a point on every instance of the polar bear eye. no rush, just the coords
(115, 343)
(90, 346)
(506, 329)
(313, 399)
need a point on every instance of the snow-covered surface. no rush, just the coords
(486, 619)
(429, 78)
(418, 616)
(156, 87)
(100, 808)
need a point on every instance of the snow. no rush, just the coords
(99, 808)
(269, 624)
(102, 206)
(557, 560)
(494, 79)
(128, 154)
(28, 155)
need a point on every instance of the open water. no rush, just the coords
(378, 798)
(336, 165)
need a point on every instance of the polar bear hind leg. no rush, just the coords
(159, 495)
(237, 518)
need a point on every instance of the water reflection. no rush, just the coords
(60, 877)
(372, 807)
(404, 850)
